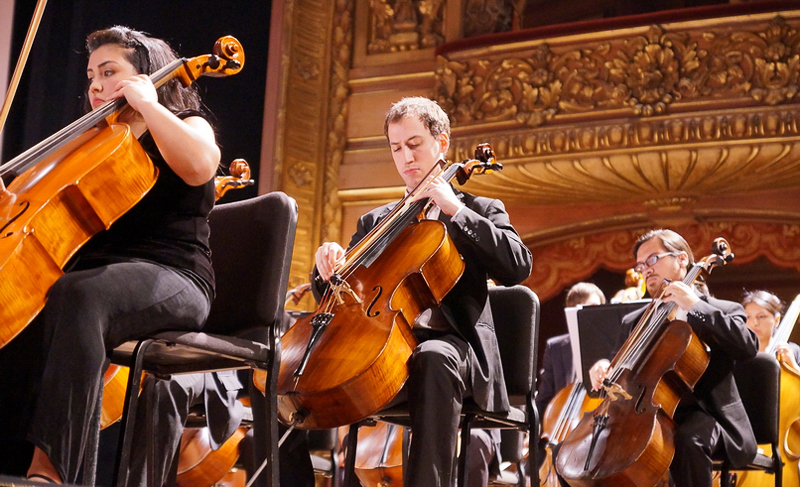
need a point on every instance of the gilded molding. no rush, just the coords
(568, 261)
(644, 75)
(304, 124)
(489, 16)
(341, 54)
(404, 25)
(663, 161)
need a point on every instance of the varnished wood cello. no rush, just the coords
(789, 424)
(348, 359)
(74, 184)
(628, 441)
(379, 455)
(561, 416)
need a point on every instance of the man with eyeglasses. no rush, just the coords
(711, 422)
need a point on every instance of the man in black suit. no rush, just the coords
(711, 422)
(458, 356)
(557, 369)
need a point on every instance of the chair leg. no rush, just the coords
(725, 477)
(129, 414)
(350, 479)
(406, 443)
(265, 435)
(89, 474)
(463, 473)
(533, 451)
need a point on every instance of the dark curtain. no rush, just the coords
(51, 91)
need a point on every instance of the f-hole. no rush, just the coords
(370, 314)
(25, 205)
(640, 406)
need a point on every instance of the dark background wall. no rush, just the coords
(51, 90)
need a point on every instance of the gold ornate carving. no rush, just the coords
(405, 25)
(303, 129)
(643, 74)
(563, 263)
(301, 174)
(685, 157)
(487, 16)
(342, 51)
(673, 204)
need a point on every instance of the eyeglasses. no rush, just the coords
(761, 318)
(651, 261)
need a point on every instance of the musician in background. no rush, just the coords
(764, 311)
(457, 356)
(151, 271)
(634, 288)
(557, 369)
(711, 422)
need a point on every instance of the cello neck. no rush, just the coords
(406, 211)
(61, 138)
(649, 327)
(785, 327)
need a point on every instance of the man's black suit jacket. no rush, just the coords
(556, 370)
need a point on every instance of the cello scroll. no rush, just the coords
(239, 178)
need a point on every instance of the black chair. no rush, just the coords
(515, 312)
(323, 448)
(252, 242)
(759, 384)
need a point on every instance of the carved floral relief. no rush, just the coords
(645, 74)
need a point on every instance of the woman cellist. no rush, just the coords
(150, 270)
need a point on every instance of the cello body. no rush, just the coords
(75, 184)
(562, 416)
(61, 202)
(360, 362)
(379, 455)
(201, 466)
(636, 446)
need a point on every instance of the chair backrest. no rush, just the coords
(251, 244)
(515, 312)
(759, 384)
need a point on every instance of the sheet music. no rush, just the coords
(574, 340)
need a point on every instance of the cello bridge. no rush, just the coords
(615, 392)
(343, 287)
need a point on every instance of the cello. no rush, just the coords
(561, 417)
(629, 439)
(789, 421)
(75, 184)
(348, 359)
(379, 455)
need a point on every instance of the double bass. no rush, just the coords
(789, 421)
(75, 184)
(628, 441)
(349, 358)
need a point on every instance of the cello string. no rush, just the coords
(651, 328)
(397, 220)
(58, 140)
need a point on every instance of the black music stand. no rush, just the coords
(598, 333)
